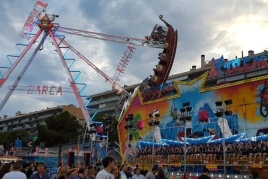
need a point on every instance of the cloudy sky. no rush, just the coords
(210, 27)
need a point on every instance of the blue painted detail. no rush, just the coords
(92, 117)
(23, 45)
(18, 45)
(66, 54)
(89, 100)
(73, 61)
(77, 76)
(83, 88)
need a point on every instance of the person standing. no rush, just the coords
(254, 175)
(40, 173)
(204, 175)
(164, 168)
(129, 172)
(108, 165)
(185, 176)
(138, 174)
(151, 174)
(4, 168)
(15, 172)
(123, 171)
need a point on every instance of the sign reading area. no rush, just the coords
(45, 90)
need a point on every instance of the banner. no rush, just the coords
(46, 152)
(28, 26)
(36, 151)
(18, 143)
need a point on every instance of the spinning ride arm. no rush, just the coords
(107, 78)
(107, 37)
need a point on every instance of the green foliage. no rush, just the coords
(113, 132)
(11, 136)
(59, 129)
(134, 130)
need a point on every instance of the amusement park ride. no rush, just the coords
(165, 38)
(161, 37)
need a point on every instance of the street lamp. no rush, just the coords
(220, 113)
(185, 117)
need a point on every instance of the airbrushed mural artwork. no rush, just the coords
(242, 106)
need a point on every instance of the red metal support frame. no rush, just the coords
(71, 80)
(9, 93)
(107, 78)
(106, 37)
(2, 81)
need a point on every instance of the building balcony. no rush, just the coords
(116, 98)
(25, 120)
(43, 117)
(17, 128)
(43, 123)
(110, 108)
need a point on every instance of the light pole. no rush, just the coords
(185, 116)
(128, 126)
(108, 122)
(154, 116)
(220, 113)
(92, 137)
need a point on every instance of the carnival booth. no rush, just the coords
(9, 158)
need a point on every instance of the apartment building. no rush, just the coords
(29, 121)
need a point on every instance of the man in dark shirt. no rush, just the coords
(204, 175)
(40, 172)
(128, 172)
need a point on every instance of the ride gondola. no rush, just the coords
(166, 58)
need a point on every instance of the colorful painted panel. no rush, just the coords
(194, 106)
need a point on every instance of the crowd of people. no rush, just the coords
(113, 171)
(206, 153)
(15, 170)
(108, 169)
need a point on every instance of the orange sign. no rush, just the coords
(177, 164)
(212, 167)
(256, 165)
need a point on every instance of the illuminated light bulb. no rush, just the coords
(235, 176)
(219, 175)
(171, 173)
(227, 176)
(190, 174)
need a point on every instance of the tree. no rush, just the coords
(113, 133)
(58, 130)
(8, 138)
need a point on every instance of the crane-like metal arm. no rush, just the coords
(107, 78)
(111, 38)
